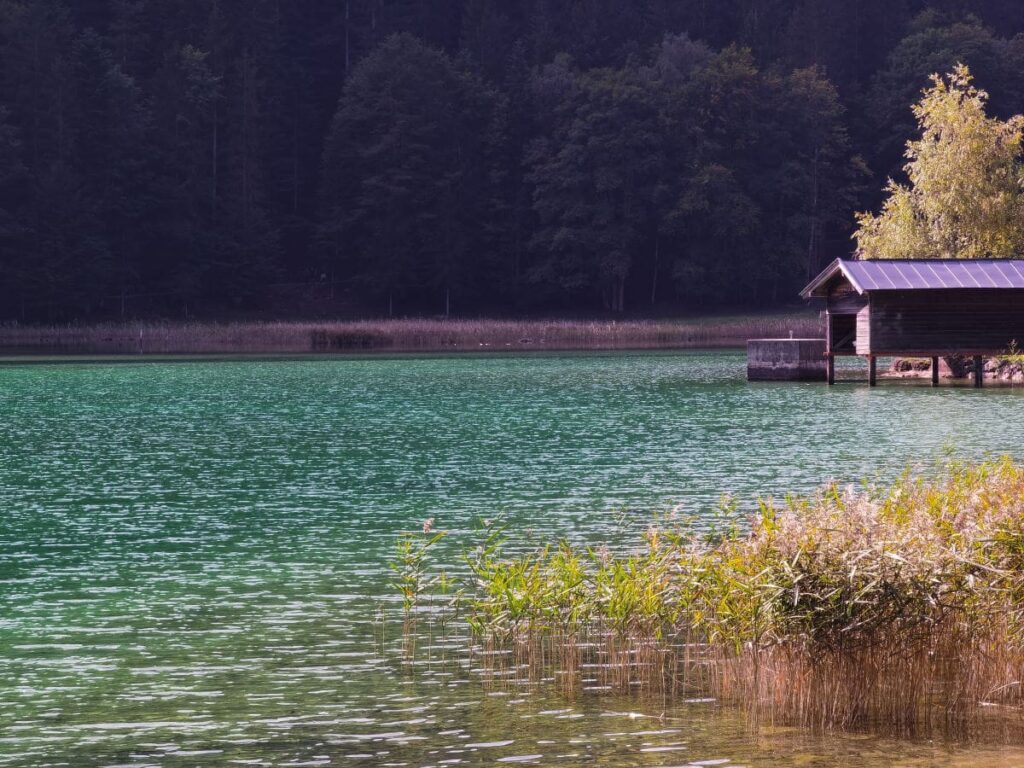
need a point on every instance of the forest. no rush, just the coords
(216, 158)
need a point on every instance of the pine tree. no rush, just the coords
(594, 180)
(404, 173)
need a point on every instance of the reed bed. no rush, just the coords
(406, 335)
(900, 607)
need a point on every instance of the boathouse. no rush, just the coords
(921, 308)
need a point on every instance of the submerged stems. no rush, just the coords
(901, 606)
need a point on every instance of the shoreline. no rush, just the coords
(134, 339)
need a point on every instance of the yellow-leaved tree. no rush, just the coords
(965, 197)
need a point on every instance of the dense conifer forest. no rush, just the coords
(179, 158)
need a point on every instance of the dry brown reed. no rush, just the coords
(891, 607)
(408, 335)
(899, 607)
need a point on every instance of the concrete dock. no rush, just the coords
(786, 360)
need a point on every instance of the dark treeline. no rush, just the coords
(164, 157)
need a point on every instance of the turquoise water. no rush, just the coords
(193, 555)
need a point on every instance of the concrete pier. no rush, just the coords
(786, 360)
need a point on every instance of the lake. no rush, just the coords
(193, 555)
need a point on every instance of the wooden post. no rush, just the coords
(979, 371)
(935, 371)
(872, 371)
(830, 358)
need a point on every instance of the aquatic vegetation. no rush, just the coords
(401, 335)
(902, 605)
(413, 580)
(409, 565)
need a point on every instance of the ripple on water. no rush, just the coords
(193, 556)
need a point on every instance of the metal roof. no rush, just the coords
(920, 274)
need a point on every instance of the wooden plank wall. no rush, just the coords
(863, 341)
(844, 300)
(942, 322)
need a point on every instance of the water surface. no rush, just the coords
(193, 555)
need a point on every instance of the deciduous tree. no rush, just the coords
(964, 196)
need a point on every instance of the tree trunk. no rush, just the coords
(618, 294)
(654, 277)
(812, 245)
(213, 160)
(348, 39)
(246, 140)
(296, 183)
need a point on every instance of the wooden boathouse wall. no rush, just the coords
(944, 322)
(848, 328)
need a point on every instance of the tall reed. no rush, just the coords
(900, 606)
(406, 335)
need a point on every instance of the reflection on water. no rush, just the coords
(193, 556)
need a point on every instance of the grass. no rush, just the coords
(407, 335)
(900, 607)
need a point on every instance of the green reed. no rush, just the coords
(900, 606)
(413, 580)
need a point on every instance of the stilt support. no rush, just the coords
(935, 371)
(979, 371)
(872, 371)
(830, 362)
